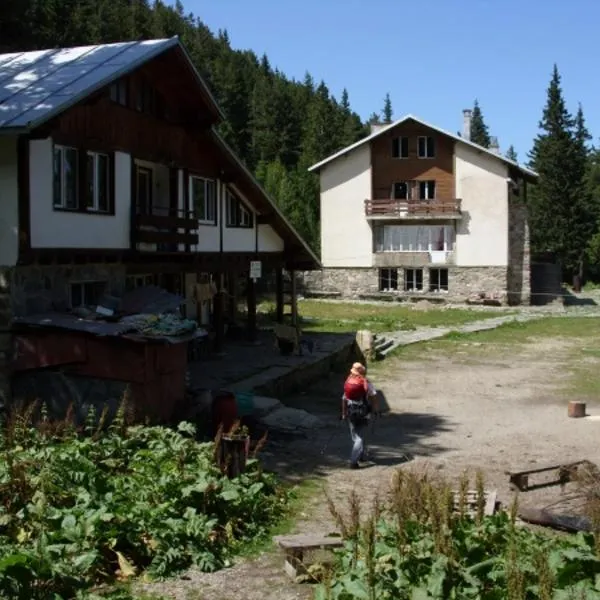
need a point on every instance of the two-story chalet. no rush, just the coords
(112, 175)
(415, 211)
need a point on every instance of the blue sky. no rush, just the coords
(434, 57)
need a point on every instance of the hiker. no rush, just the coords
(358, 402)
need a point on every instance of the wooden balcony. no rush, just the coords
(388, 208)
(169, 230)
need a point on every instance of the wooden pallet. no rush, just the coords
(471, 502)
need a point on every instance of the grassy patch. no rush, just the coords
(320, 315)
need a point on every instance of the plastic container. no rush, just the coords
(245, 403)
(224, 411)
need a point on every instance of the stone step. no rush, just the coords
(382, 343)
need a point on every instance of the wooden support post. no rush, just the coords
(279, 294)
(219, 321)
(251, 305)
(294, 299)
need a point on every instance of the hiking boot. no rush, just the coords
(354, 466)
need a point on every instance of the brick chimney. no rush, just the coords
(466, 132)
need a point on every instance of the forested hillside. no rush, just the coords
(277, 125)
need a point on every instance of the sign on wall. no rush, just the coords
(255, 269)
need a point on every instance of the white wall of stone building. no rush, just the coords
(346, 236)
(482, 233)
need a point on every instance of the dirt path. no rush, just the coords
(465, 411)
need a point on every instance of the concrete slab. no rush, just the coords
(290, 420)
(264, 405)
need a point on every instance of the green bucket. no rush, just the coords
(245, 403)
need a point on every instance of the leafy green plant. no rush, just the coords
(79, 508)
(425, 544)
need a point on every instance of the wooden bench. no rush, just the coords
(294, 547)
(565, 472)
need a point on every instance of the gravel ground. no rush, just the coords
(488, 410)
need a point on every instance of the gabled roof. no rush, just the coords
(524, 170)
(36, 86)
(285, 229)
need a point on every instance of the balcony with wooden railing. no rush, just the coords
(389, 208)
(164, 230)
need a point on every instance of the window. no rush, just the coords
(401, 190)
(237, 214)
(426, 146)
(145, 100)
(388, 280)
(119, 92)
(136, 281)
(65, 178)
(426, 190)
(87, 293)
(400, 147)
(413, 280)
(144, 191)
(438, 280)
(203, 195)
(98, 182)
(414, 238)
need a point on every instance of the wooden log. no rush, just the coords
(233, 453)
(576, 409)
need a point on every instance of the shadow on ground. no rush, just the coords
(393, 438)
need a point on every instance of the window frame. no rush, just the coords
(427, 154)
(95, 208)
(390, 274)
(413, 271)
(449, 238)
(409, 187)
(149, 172)
(438, 287)
(119, 92)
(235, 206)
(398, 144)
(205, 218)
(62, 148)
(425, 185)
(83, 285)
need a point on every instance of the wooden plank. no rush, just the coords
(165, 237)
(166, 222)
(308, 542)
(566, 472)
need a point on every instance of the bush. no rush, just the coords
(79, 510)
(419, 547)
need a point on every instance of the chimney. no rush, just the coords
(494, 146)
(466, 132)
(375, 127)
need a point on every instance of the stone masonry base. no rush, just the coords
(464, 284)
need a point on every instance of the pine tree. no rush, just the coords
(387, 112)
(559, 207)
(511, 154)
(479, 130)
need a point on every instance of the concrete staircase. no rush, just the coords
(382, 345)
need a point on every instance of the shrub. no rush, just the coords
(418, 547)
(79, 509)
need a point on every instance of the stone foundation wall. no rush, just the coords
(463, 283)
(39, 289)
(518, 277)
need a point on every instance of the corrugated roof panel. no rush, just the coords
(34, 85)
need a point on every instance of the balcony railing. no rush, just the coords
(169, 229)
(387, 207)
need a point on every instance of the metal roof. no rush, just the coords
(457, 138)
(36, 86)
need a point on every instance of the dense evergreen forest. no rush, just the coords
(281, 126)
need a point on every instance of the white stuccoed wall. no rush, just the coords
(482, 234)
(346, 236)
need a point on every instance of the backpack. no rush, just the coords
(357, 410)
